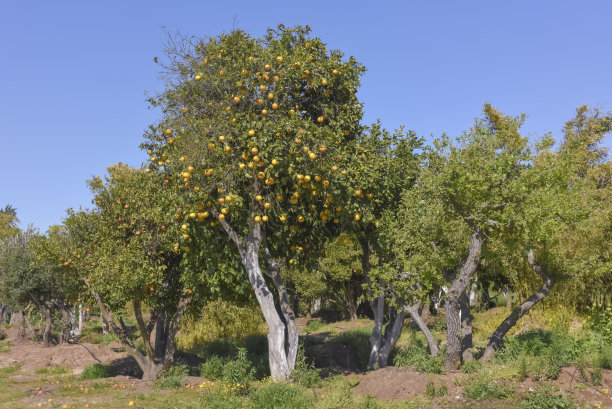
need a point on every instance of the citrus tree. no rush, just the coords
(473, 181)
(22, 281)
(558, 225)
(384, 165)
(254, 133)
(126, 251)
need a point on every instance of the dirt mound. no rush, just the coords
(393, 383)
(399, 384)
(32, 355)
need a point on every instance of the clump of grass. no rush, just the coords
(544, 398)
(53, 370)
(357, 340)
(97, 371)
(281, 396)
(432, 392)
(173, 377)
(8, 370)
(5, 346)
(417, 356)
(485, 388)
(313, 325)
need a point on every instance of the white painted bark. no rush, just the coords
(281, 360)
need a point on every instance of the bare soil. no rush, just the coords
(31, 355)
(397, 384)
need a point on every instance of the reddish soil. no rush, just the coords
(397, 384)
(31, 355)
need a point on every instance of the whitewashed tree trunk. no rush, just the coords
(282, 329)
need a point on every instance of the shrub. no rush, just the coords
(281, 396)
(97, 371)
(220, 319)
(212, 368)
(304, 373)
(3, 334)
(238, 370)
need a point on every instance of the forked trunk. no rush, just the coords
(376, 337)
(522, 309)
(150, 366)
(282, 329)
(46, 312)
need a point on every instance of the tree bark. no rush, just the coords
(508, 298)
(273, 272)
(516, 314)
(453, 307)
(144, 333)
(413, 310)
(389, 338)
(150, 368)
(46, 312)
(466, 328)
(281, 360)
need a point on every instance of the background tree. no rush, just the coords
(23, 282)
(558, 213)
(383, 166)
(254, 132)
(126, 252)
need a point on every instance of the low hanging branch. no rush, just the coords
(516, 314)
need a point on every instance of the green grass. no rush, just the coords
(97, 371)
(53, 370)
(9, 370)
(313, 326)
(5, 346)
(357, 340)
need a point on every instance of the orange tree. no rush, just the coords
(127, 252)
(384, 165)
(254, 133)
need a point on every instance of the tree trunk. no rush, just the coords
(508, 298)
(281, 327)
(466, 328)
(160, 334)
(522, 309)
(453, 305)
(273, 272)
(413, 310)
(46, 312)
(376, 337)
(150, 369)
(389, 338)
(67, 324)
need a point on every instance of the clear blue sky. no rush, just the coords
(74, 73)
